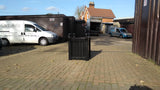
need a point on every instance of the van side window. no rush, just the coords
(29, 28)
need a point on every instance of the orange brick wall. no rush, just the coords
(107, 20)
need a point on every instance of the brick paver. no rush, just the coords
(112, 67)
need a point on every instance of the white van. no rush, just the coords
(22, 31)
(0, 43)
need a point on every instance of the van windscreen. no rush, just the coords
(123, 30)
(40, 27)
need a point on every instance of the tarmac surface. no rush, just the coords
(112, 66)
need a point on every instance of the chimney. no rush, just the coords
(91, 5)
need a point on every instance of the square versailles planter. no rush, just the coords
(79, 48)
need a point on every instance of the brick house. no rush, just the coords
(97, 18)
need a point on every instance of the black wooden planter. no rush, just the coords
(79, 48)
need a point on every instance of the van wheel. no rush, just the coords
(43, 41)
(5, 42)
(121, 36)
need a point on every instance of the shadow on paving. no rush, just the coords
(95, 53)
(106, 40)
(135, 87)
(16, 48)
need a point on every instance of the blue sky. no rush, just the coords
(121, 8)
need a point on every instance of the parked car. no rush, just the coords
(119, 32)
(0, 43)
(22, 31)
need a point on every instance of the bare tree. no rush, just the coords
(78, 11)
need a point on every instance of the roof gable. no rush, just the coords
(106, 13)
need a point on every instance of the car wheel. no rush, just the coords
(5, 42)
(43, 41)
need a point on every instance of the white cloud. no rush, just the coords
(2, 7)
(52, 8)
(25, 9)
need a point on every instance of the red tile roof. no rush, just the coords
(106, 13)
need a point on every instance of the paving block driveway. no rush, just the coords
(112, 67)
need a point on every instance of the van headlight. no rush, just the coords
(50, 35)
(54, 36)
